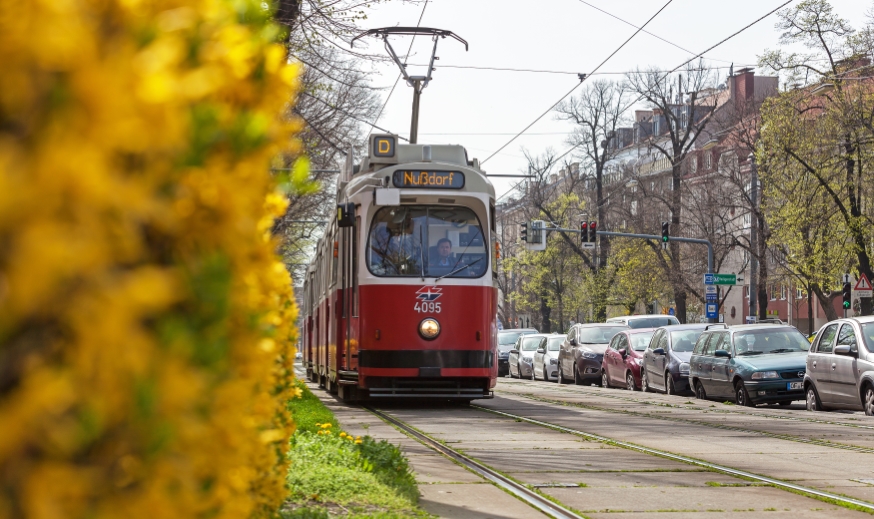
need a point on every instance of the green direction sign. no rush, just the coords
(720, 279)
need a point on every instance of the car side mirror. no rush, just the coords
(722, 353)
(843, 350)
(623, 352)
(659, 351)
(514, 351)
(573, 342)
(541, 350)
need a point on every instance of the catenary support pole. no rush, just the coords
(754, 238)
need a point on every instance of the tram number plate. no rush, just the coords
(794, 385)
(426, 307)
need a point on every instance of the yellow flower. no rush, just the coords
(342, 435)
(358, 441)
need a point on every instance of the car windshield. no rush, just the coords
(424, 240)
(652, 322)
(508, 338)
(599, 335)
(639, 341)
(760, 342)
(530, 343)
(684, 340)
(555, 343)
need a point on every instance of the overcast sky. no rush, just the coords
(483, 109)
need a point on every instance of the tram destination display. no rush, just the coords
(428, 179)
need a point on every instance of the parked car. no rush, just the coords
(665, 365)
(644, 321)
(582, 352)
(506, 340)
(622, 358)
(753, 364)
(546, 359)
(522, 355)
(840, 367)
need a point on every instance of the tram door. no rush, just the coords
(349, 289)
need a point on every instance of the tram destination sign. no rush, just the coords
(428, 179)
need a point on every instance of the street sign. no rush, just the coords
(711, 311)
(588, 245)
(710, 289)
(671, 311)
(863, 287)
(720, 279)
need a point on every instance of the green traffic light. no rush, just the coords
(847, 305)
(664, 238)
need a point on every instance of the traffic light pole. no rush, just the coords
(651, 237)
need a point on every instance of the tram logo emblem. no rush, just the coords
(427, 293)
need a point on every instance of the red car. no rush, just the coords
(621, 364)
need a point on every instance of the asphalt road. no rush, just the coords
(833, 452)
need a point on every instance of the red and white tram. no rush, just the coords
(400, 299)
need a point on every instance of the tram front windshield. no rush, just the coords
(427, 241)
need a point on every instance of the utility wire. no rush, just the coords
(400, 74)
(582, 79)
(564, 72)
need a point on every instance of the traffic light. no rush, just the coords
(847, 293)
(584, 232)
(524, 234)
(666, 232)
(593, 232)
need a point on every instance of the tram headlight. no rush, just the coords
(429, 328)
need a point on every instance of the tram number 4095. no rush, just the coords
(426, 307)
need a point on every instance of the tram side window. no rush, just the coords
(427, 241)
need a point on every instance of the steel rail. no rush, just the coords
(769, 434)
(785, 485)
(580, 390)
(522, 492)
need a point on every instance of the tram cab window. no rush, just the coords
(431, 241)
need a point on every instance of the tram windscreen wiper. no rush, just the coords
(421, 255)
(459, 269)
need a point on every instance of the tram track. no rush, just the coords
(701, 423)
(582, 391)
(524, 493)
(821, 495)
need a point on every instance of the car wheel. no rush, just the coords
(812, 401)
(741, 396)
(578, 380)
(604, 381)
(669, 385)
(869, 400)
(533, 373)
(699, 391)
(629, 382)
(560, 374)
(644, 382)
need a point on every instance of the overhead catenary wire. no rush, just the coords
(400, 75)
(769, 13)
(582, 79)
(562, 72)
(347, 114)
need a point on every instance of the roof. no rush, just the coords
(599, 325)
(518, 330)
(695, 326)
(862, 319)
(763, 326)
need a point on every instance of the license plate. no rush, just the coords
(794, 385)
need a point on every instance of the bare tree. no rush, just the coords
(686, 112)
(597, 114)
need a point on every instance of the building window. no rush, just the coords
(748, 220)
(708, 161)
(634, 208)
(783, 292)
(747, 291)
(694, 164)
(799, 294)
(773, 290)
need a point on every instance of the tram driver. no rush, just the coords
(444, 260)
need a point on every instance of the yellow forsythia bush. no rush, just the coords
(146, 324)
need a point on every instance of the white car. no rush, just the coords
(546, 359)
(522, 355)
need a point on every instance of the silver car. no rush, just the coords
(645, 321)
(522, 355)
(546, 359)
(840, 366)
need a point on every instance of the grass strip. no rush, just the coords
(333, 474)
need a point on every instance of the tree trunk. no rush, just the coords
(545, 311)
(809, 311)
(826, 303)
